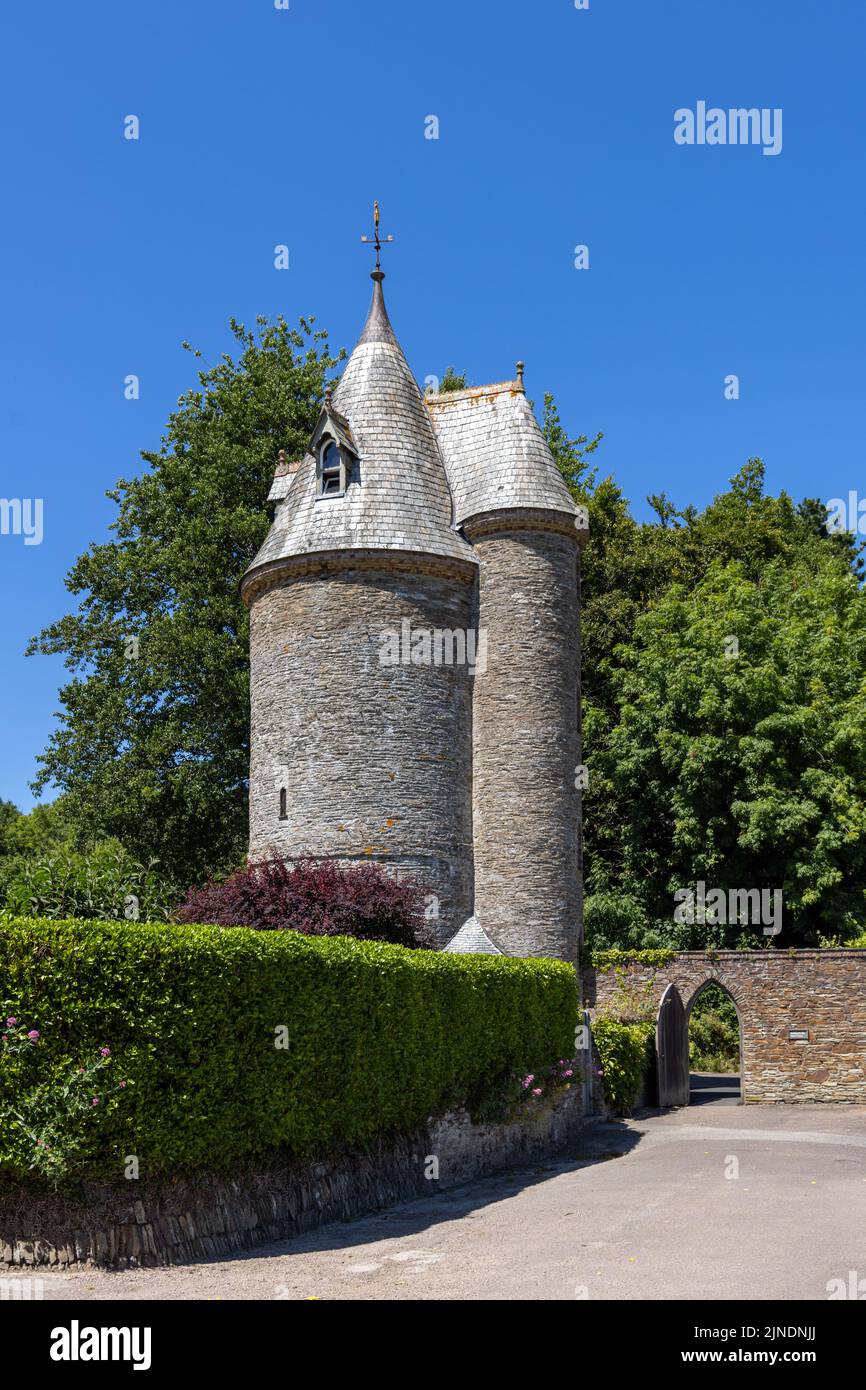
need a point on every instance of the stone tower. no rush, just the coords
(511, 504)
(415, 651)
(355, 756)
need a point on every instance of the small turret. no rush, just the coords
(513, 506)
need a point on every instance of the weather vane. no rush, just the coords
(375, 239)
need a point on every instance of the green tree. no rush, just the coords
(9, 814)
(152, 745)
(45, 829)
(714, 1032)
(739, 754)
(627, 570)
(570, 455)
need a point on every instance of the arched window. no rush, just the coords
(331, 469)
(284, 815)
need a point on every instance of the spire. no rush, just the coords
(377, 328)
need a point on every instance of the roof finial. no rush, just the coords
(375, 239)
(520, 367)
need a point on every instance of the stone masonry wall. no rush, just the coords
(823, 992)
(376, 759)
(195, 1219)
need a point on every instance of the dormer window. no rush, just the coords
(331, 470)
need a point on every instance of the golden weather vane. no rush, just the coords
(375, 239)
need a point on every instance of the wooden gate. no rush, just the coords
(672, 1050)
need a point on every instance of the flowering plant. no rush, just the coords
(48, 1117)
(546, 1085)
(519, 1095)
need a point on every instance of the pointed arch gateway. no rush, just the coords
(676, 1084)
(725, 1083)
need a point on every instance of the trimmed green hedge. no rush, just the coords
(379, 1037)
(625, 1052)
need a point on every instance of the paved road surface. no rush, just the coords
(643, 1208)
(714, 1088)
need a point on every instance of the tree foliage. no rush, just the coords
(742, 771)
(714, 1032)
(152, 746)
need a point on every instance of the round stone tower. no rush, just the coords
(512, 505)
(361, 717)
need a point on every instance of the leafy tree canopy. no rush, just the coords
(45, 829)
(739, 770)
(152, 745)
(739, 754)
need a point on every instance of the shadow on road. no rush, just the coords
(714, 1088)
(597, 1141)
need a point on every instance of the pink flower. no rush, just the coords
(11, 1022)
(33, 1034)
(569, 1072)
(95, 1100)
(536, 1090)
(105, 1052)
(123, 1083)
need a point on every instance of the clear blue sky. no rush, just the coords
(262, 126)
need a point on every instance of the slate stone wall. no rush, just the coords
(526, 740)
(376, 759)
(202, 1219)
(775, 992)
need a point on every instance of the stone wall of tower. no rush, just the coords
(376, 759)
(526, 735)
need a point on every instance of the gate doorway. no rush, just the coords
(714, 1038)
(699, 1048)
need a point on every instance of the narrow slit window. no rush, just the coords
(284, 815)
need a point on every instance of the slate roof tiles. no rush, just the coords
(423, 466)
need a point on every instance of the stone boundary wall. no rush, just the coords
(823, 992)
(212, 1214)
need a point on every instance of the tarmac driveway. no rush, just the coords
(711, 1201)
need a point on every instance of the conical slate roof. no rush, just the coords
(495, 454)
(397, 496)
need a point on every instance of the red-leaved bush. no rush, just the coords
(318, 898)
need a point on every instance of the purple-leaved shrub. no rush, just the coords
(316, 898)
